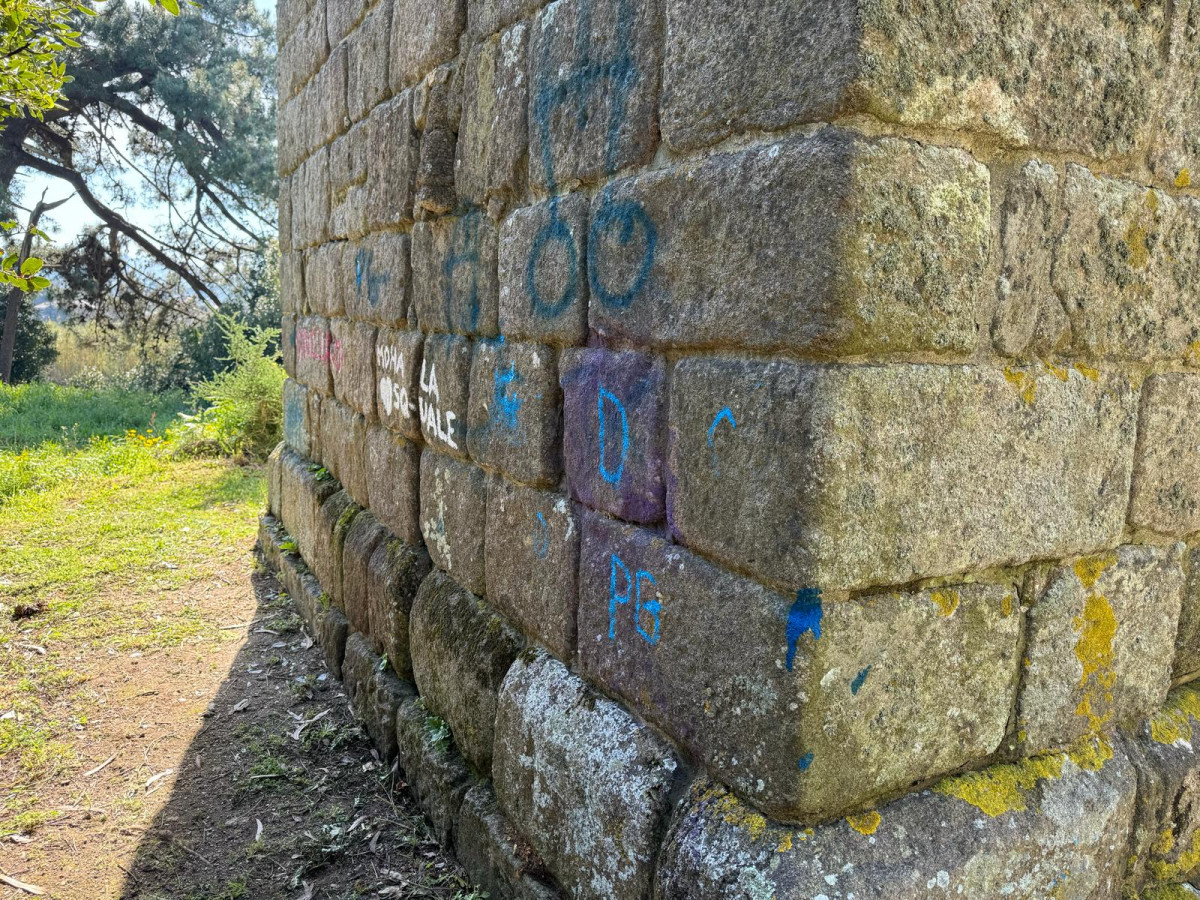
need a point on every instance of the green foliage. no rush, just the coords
(245, 413)
(32, 414)
(34, 34)
(35, 348)
(204, 349)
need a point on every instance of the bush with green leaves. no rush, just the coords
(245, 412)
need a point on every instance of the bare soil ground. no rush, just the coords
(214, 760)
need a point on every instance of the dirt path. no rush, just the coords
(221, 766)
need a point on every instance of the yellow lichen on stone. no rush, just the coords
(1152, 200)
(1174, 721)
(737, 815)
(1087, 371)
(1185, 863)
(1023, 382)
(865, 823)
(1001, 788)
(1139, 248)
(785, 844)
(1007, 605)
(1062, 373)
(1166, 892)
(1183, 179)
(1097, 628)
(1089, 569)
(946, 601)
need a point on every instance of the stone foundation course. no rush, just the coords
(752, 449)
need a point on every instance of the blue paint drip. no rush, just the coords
(542, 544)
(860, 679)
(804, 617)
(464, 252)
(805, 762)
(505, 406)
(725, 415)
(608, 474)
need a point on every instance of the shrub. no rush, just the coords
(245, 413)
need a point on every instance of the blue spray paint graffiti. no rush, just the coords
(541, 540)
(725, 415)
(365, 277)
(506, 405)
(464, 252)
(805, 762)
(627, 220)
(293, 418)
(803, 618)
(860, 679)
(608, 474)
(632, 586)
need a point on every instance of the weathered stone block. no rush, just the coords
(1127, 269)
(850, 476)
(728, 70)
(1175, 149)
(270, 536)
(297, 427)
(532, 551)
(461, 651)
(326, 271)
(437, 111)
(291, 282)
(775, 694)
(1166, 471)
(495, 856)
(394, 574)
(453, 509)
(1187, 638)
(275, 480)
(332, 630)
(514, 411)
(1100, 645)
(454, 274)
(433, 768)
(310, 201)
(1049, 827)
(312, 354)
(303, 494)
(375, 693)
(287, 344)
(367, 62)
(1082, 79)
(314, 418)
(1029, 319)
(391, 161)
(335, 517)
(593, 94)
(398, 372)
(444, 392)
(352, 364)
(381, 280)
(342, 16)
(486, 17)
(543, 287)
(344, 448)
(348, 159)
(323, 113)
(303, 54)
(424, 34)
(896, 237)
(588, 786)
(1166, 827)
(614, 407)
(491, 152)
(393, 475)
(362, 537)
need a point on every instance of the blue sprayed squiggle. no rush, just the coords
(725, 415)
(860, 679)
(804, 618)
(804, 762)
(505, 405)
(543, 537)
(608, 474)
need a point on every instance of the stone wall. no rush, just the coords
(752, 449)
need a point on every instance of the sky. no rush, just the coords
(73, 217)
